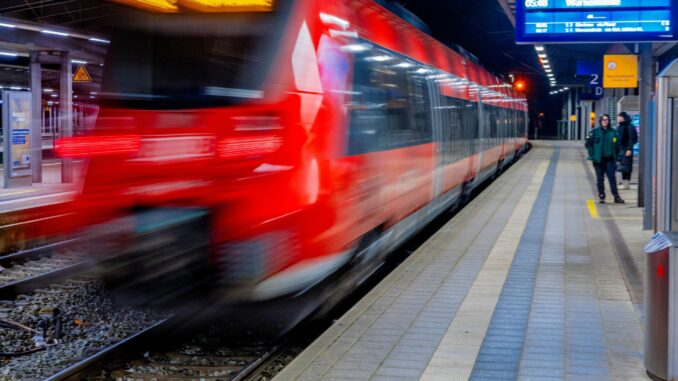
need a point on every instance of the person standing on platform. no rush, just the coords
(602, 146)
(627, 137)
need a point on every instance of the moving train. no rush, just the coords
(302, 140)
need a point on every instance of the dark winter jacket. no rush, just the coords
(602, 143)
(627, 137)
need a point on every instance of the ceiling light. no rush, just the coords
(404, 65)
(5, 25)
(9, 54)
(544, 61)
(542, 55)
(547, 66)
(539, 48)
(79, 62)
(54, 32)
(94, 39)
(548, 71)
(566, 88)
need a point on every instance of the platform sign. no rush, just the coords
(593, 21)
(16, 126)
(620, 71)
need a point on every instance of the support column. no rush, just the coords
(569, 113)
(36, 119)
(66, 113)
(645, 138)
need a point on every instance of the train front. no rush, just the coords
(197, 168)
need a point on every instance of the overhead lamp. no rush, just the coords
(550, 75)
(548, 71)
(544, 61)
(79, 62)
(539, 48)
(94, 39)
(8, 54)
(542, 55)
(54, 32)
(566, 88)
(547, 66)
(6, 25)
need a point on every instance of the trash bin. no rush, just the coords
(657, 303)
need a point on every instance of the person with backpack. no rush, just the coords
(627, 137)
(602, 147)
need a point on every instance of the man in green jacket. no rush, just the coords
(602, 146)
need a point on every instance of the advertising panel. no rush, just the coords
(16, 112)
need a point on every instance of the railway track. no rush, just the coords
(29, 270)
(198, 362)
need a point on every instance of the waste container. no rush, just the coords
(657, 303)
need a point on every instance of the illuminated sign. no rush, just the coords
(16, 110)
(620, 71)
(595, 20)
(225, 6)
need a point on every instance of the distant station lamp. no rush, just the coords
(520, 85)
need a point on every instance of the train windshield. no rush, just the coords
(189, 60)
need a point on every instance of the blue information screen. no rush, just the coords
(594, 20)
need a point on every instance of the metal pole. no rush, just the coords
(646, 70)
(36, 122)
(66, 114)
(569, 113)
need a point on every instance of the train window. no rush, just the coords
(177, 61)
(454, 130)
(420, 106)
(390, 106)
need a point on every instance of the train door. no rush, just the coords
(438, 123)
(481, 141)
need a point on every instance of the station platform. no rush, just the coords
(50, 191)
(533, 280)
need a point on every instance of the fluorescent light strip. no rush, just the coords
(5, 25)
(54, 32)
(79, 62)
(9, 54)
(539, 48)
(94, 39)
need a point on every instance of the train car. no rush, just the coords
(309, 137)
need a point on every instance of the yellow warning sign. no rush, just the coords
(81, 75)
(620, 71)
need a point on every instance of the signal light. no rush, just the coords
(520, 85)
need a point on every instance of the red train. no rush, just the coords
(311, 137)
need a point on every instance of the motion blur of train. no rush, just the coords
(262, 148)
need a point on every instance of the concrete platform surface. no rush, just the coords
(50, 191)
(530, 281)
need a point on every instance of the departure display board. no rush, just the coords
(595, 20)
